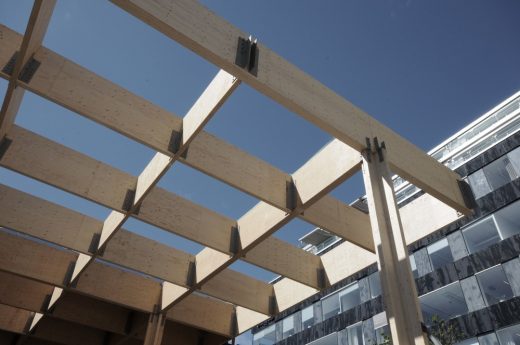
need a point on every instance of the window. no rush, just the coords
(446, 303)
(509, 335)
(508, 220)
(440, 253)
(288, 326)
(500, 172)
(350, 297)
(267, 336)
(308, 317)
(488, 339)
(479, 184)
(471, 341)
(381, 328)
(330, 306)
(374, 280)
(494, 285)
(414, 266)
(355, 334)
(481, 235)
(331, 339)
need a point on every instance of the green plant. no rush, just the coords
(444, 331)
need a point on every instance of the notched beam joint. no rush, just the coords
(234, 241)
(192, 274)
(467, 194)
(4, 146)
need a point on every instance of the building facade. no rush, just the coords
(466, 272)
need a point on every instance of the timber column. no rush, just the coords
(155, 328)
(399, 292)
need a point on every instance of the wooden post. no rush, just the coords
(155, 328)
(399, 292)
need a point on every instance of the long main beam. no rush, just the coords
(32, 40)
(210, 36)
(48, 265)
(45, 220)
(85, 93)
(59, 166)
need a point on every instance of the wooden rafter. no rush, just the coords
(230, 302)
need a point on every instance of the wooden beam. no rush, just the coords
(208, 313)
(57, 165)
(45, 220)
(32, 40)
(198, 29)
(130, 115)
(62, 332)
(49, 265)
(398, 285)
(13, 319)
(23, 293)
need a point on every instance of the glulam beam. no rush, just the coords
(213, 38)
(32, 40)
(106, 103)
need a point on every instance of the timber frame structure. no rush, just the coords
(71, 279)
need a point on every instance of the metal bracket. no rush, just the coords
(291, 195)
(322, 278)
(192, 274)
(4, 146)
(234, 323)
(128, 202)
(68, 276)
(368, 151)
(234, 243)
(28, 70)
(45, 304)
(467, 194)
(94, 243)
(272, 305)
(379, 149)
(247, 55)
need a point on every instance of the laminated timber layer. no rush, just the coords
(66, 275)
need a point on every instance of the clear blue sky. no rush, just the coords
(424, 68)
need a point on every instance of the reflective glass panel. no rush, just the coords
(499, 172)
(509, 335)
(494, 285)
(479, 184)
(267, 336)
(508, 220)
(374, 280)
(446, 302)
(481, 235)
(440, 253)
(471, 341)
(330, 306)
(355, 334)
(288, 326)
(414, 266)
(308, 317)
(350, 297)
(331, 339)
(488, 339)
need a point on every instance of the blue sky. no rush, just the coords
(424, 68)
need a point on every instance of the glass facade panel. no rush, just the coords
(446, 302)
(414, 266)
(267, 336)
(308, 317)
(509, 335)
(288, 326)
(481, 235)
(330, 306)
(508, 220)
(350, 297)
(494, 285)
(471, 341)
(374, 280)
(331, 339)
(479, 184)
(355, 334)
(514, 157)
(500, 172)
(488, 339)
(440, 253)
